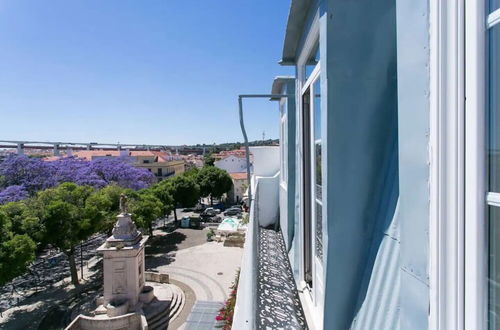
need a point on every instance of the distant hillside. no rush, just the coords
(237, 145)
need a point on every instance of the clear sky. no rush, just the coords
(138, 71)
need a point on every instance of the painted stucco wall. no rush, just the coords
(287, 193)
(414, 107)
(232, 164)
(358, 69)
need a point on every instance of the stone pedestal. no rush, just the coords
(123, 258)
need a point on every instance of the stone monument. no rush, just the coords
(123, 269)
(127, 303)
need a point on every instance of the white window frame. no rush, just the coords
(447, 166)
(284, 142)
(314, 315)
(476, 242)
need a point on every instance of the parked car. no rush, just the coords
(194, 223)
(199, 208)
(219, 206)
(208, 212)
(232, 211)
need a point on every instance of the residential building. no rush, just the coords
(232, 163)
(384, 194)
(240, 185)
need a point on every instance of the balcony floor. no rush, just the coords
(278, 302)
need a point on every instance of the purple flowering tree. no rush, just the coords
(13, 194)
(121, 172)
(33, 174)
(79, 171)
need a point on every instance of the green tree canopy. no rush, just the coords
(16, 251)
(209, 160)
(184, 190)
(163, 192)
(15, 255)
(106, 201)
(192, 172)
(145, 208)
(213, 182)
(68, 219)
(22, 219)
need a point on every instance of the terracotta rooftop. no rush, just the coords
(238, 176)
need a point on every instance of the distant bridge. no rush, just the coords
(56, 147)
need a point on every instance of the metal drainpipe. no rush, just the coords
(242, 125)
(254, 224)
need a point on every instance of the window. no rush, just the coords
(312, 61)
(160, 172)
(284, 141)
(145, 161)
(318, 180)
(493, 163)
(312, 208)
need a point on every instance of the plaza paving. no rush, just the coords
(204, 270)
(208, 268)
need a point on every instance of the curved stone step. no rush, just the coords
(175, 310)
(162, 320)
(160, 305)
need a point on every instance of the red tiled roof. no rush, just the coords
(238, 175)
(144, 153)
(88, 154)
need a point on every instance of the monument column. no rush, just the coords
(123, 261)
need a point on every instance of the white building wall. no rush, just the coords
(232, 164)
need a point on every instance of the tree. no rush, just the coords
(16, 254)
(163, 192)
(13, 194)
(30, 175)
(16, 251)
(184, 190)
(192, 172)
(68, 219)
(145, 208)
(107, 202)
(208, 160)
(213, 182)
(119, 171)
(22, 220)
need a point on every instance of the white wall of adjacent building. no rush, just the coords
(232, 164)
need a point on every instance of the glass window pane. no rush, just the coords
(312, 61)
(494, 268)
(317, 136)
(319, 231)
(318, 179)
(493, 5)
(494, 109)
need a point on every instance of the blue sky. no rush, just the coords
(148, 71)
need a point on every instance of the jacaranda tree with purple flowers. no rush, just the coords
(119, 171)
(33, 174)
(30, 175)
(13, 194)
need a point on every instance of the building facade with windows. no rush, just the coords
(240, 185)
(388, 191)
